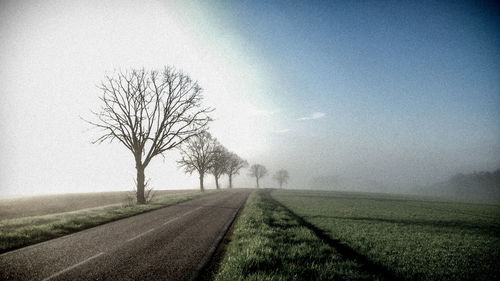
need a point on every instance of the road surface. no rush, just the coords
(166, 244)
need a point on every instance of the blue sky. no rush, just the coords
(418, 78)
(423, 62)
(397, 92)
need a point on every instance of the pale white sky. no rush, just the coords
(54, 53)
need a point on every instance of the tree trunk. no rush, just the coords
(230, 181)
(257, 179)
(216, 182)
(201, 182)
(140, 184)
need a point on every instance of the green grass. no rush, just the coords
(269, 243)
(24, 231)
(415, 238)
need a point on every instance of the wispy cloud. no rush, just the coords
(284, 131)
(263, 112)
(315, 115)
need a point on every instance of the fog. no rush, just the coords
(371, 97)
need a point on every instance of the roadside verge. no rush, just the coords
(21, 232)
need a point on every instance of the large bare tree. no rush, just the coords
(150, 112)
(198, 155)
(219, 163)
(281, 177)
(234, 165)
(258, 171)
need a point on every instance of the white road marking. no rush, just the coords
(144, 233)
(72, 267)
(165, 223)
(169, 221)
(187, 213)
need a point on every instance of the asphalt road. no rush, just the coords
(166, 244)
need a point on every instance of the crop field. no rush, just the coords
(65, 214)
(414, 238)
(305, 235)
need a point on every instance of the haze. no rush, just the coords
(394, 93)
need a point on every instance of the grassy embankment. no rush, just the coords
(57, 221)
(285, 235)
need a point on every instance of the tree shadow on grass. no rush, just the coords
(347, 253)
(456, 225)
(289, 249)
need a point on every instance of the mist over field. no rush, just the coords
(340, 95)
(477, 186)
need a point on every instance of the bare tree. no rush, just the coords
(198, 154)
(150, 112)
(281, 177)
(219, 164)
(258, 171)
(234, 164)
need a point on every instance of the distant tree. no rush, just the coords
(149, 112)
(234, 165)
(198, 155)
(476, 186)
(258, 171)
(281, 177)
(219, 163)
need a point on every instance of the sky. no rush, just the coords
(391, 93)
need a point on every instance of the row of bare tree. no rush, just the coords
(152, 112)
(204, 154)
(259, 171)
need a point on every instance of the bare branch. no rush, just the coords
(150, 112)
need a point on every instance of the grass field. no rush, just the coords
(65, 214)
(305, 235)
(414, 238)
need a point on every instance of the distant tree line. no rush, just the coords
(152, 112)
(205, 155)
(484, 186)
